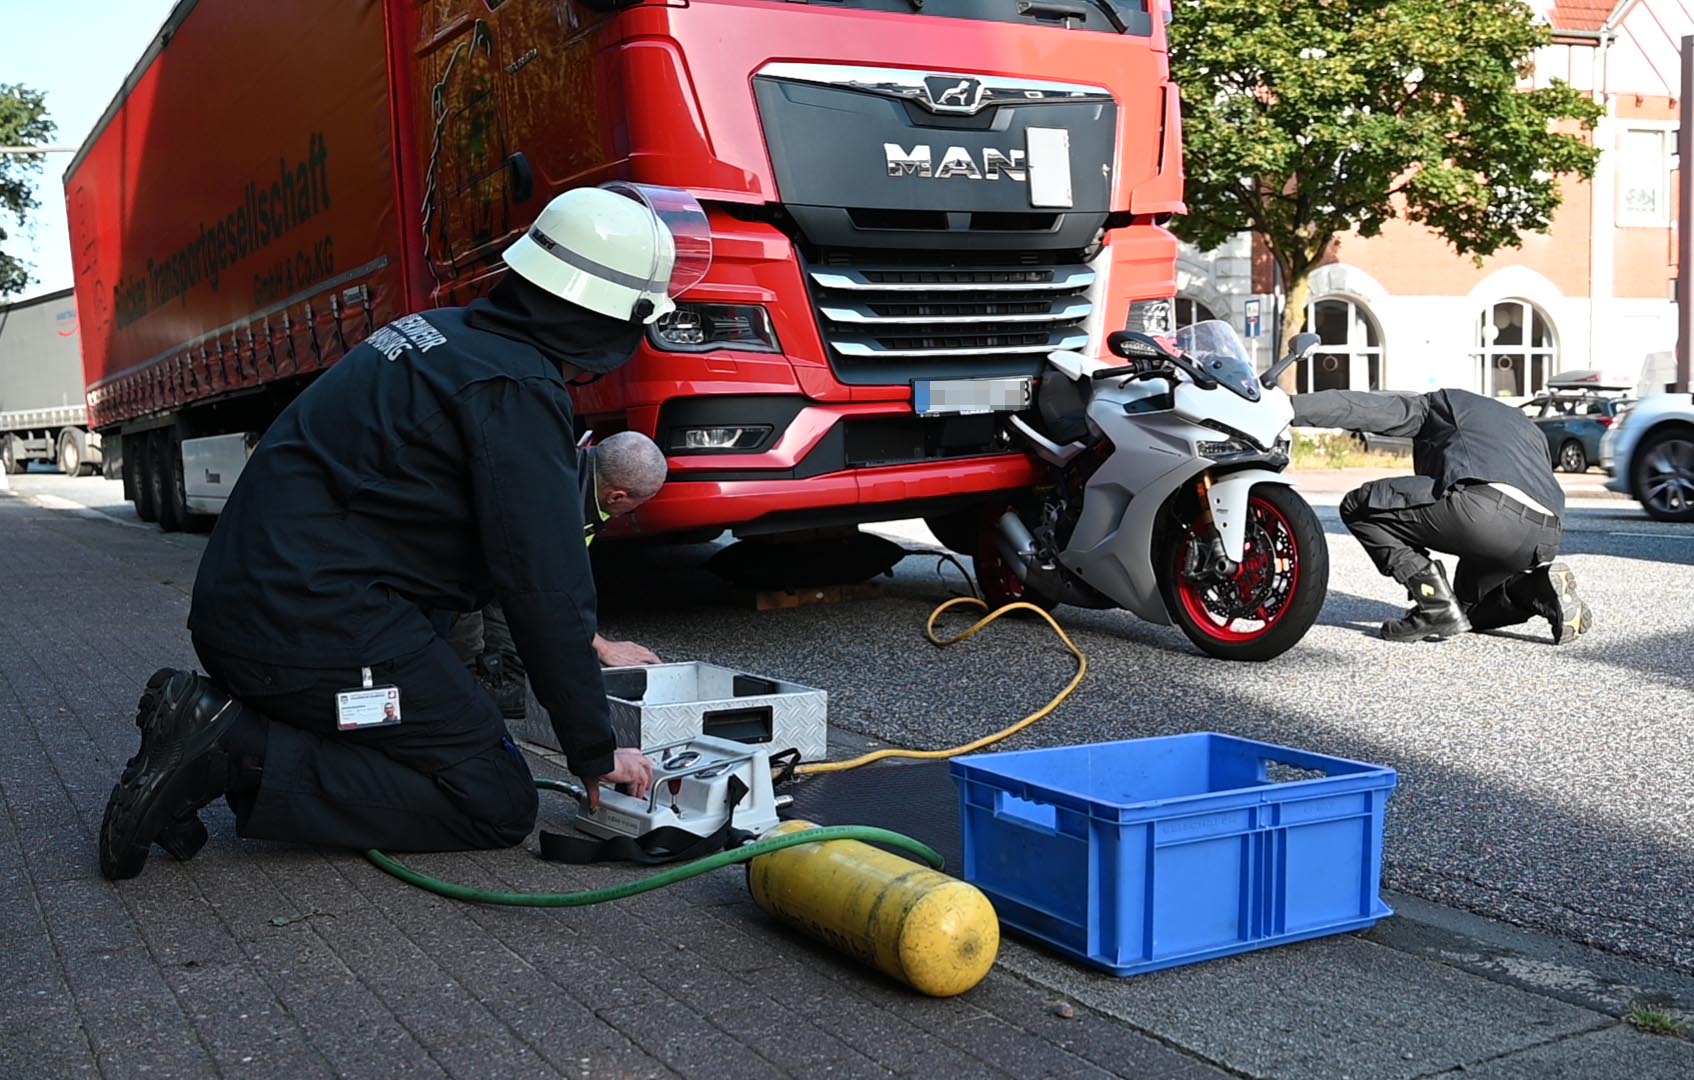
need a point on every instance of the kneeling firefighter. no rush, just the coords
(616, 476)
(431, 470)
(1484, 490)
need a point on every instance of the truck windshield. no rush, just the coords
(1133, 17)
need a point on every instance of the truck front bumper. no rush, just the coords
(753, 506)
(809, 464)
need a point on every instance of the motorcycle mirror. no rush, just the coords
(1131, 344)
(1302, 345)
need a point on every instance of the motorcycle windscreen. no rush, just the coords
(1218, 349)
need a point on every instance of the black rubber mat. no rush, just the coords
(918, 799)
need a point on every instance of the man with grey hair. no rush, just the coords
(617, 475)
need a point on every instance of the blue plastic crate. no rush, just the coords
(1146, 854)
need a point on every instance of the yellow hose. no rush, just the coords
(989, 740)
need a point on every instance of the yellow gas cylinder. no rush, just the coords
(935, 933)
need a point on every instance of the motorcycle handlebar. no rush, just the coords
(1170, 365)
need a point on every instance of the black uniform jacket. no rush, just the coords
(1457, 437)
(431, 469)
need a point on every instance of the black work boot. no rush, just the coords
(182, 839)
(1554, 598)
(1436, 616)
(178, 769)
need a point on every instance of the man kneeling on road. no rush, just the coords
(1484, 491)
(431, 470)
(616, 476)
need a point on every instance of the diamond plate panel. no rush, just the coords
(799, 719)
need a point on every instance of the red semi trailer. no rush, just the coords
(911, 205)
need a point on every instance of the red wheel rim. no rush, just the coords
(1257, 562)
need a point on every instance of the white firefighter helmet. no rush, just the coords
(623, 250)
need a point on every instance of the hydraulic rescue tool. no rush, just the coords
(699, 786)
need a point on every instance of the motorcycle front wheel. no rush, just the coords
(1274, 596)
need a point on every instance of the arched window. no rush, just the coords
(1515, 349)
(1350, 357)
(1189, 312)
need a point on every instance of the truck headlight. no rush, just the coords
(704, 439)
(709, 327)
(1156, 317)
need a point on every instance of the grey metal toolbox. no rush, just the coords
(667, 703)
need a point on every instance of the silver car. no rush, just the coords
(1649, 454)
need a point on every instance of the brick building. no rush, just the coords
(1401, 311)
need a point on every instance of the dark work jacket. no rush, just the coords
(1457, 437)
(432, 469)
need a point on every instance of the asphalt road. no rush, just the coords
(1548, 787)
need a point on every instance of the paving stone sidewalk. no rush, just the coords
(261, 960)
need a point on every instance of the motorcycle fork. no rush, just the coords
(1214, 561)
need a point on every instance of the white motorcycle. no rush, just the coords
(1167, 497)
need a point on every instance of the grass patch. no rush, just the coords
(1341, 452)
(1653, 1021)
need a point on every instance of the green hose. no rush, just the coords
(659, 880)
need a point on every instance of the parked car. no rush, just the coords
(1649, 454)
(1573, 412)
(1574, 423)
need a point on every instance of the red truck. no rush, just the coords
(912, 202)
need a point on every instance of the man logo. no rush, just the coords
(956, 94)
(952, 93)
(955, 161)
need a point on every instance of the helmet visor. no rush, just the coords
(690, 234)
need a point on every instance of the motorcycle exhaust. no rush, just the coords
(1017, 547)
(1016, 544)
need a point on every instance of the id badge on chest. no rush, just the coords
(367, 706)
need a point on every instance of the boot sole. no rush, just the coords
(1573, 617)
(1458, 629)
(1414, 638)
(119, 858)
(181, 839)
(147, 800)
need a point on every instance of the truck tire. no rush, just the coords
(9, 461)
(73, 453)
(137, 455)
(157, 479)
(176, 490)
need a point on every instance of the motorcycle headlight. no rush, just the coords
(1226, 448)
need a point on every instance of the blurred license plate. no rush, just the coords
(938, 397)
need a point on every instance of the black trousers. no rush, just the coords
(446, 778)
(1496, 538)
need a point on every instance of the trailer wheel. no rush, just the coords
(176, 489)
(138, 460)
(73, 453)
(161, 479)
(156, 479)
(9, 461)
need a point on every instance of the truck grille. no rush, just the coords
(892, 323)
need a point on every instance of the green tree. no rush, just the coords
(23, 122)
(1307, 120)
